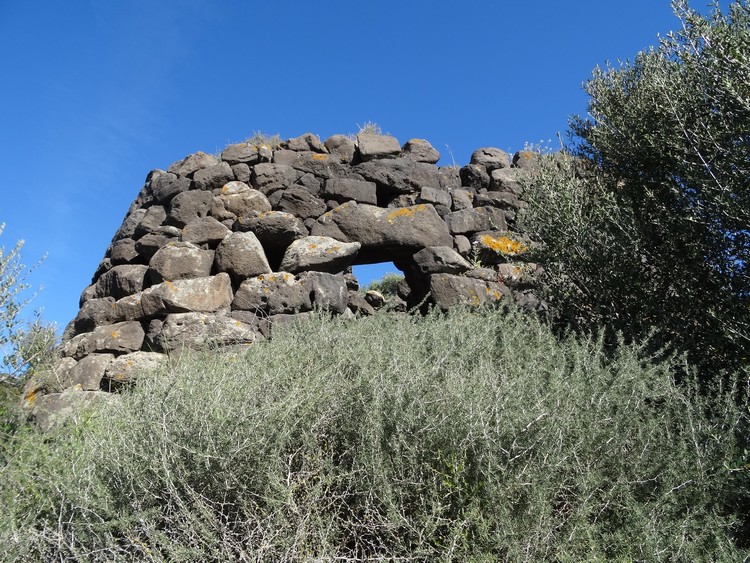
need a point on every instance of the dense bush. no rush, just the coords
(387, 285)
(473, 437)
(646, 231)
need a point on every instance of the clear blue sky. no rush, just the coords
(97, 93)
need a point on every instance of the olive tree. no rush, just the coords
(645, 222)
(24, 345)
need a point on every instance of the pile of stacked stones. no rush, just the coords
(216, 250)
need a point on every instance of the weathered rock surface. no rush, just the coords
(200, 330)
(180, 260)
(322, 254)
(385, 233)
(202, 295)
(399, 175)
(119, 337)
(273, 294)
(421, 151)
(440, 259)
(242, 256)
(451, 291)
(377, 146)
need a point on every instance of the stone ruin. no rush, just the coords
(216, 250)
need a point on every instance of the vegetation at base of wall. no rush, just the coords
(387, 285)
(644, 229)
(466, 437)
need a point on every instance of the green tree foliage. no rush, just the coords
(387, 285)
(24, 345)
(647, 229)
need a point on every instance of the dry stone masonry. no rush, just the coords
(216, 250)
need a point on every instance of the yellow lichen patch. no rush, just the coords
(404, 212)
(312, 246)
(474, 300)
(320, 157)
(31, 396)
(115, 334)
(170, 286)
(503, 245)
(334, 248)
(495, 294)
(225, 189)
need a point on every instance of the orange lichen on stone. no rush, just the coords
(404, 212)
(495, 294)
(320, 157)
(312, 246)
(31, 396)
(503, 245)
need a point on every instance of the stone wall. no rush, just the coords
(217, 249)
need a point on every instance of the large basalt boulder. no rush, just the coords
(275, 230)
(127, 368)
(341, 147)
(120, 337)
(203, 295)
(346, 189)
(399, 175)
(204, 231)
(268, 178)
(198, 331)
(491, 158)
(372, 146)
(421, 151)
(94, 313)
(187, 206)
(191, 164)
(241, 153)
(476, 219)
(180, 260)
(241, 200)
(272, 294)
(242, 256)
(385, 234)
(328, 291)
(449, 291)
(88, 372)
(298, 201)
(440, 259)
(307, 142)
(213, 177)
(121, 281)
(322, 254)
